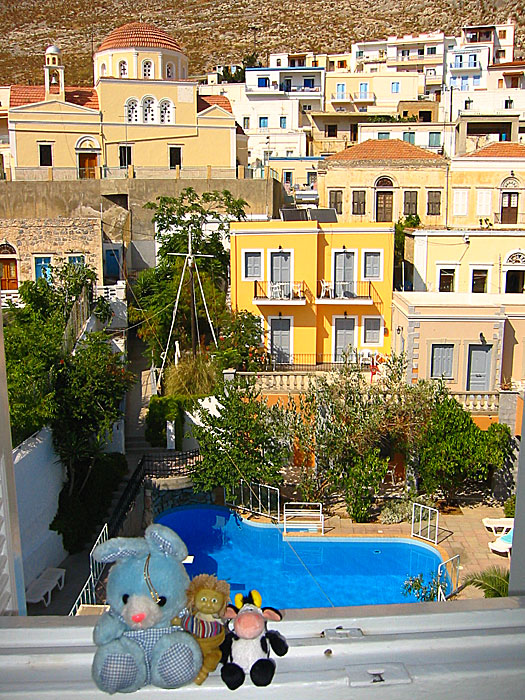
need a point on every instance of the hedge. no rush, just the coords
(167, 408)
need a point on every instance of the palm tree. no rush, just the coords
(494, 582)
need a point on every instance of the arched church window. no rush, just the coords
(132, 112)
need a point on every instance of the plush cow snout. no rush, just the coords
(138, 617)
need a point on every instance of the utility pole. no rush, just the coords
(254, 29)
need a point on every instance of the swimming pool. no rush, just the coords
(336, 571)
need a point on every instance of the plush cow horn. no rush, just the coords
(239, 600)
(256, 597)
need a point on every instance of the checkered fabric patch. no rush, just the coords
(176, 665)
(147, 640)
(118, 672)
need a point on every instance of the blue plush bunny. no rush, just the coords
(146, 588)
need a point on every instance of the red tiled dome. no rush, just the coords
(139, 35)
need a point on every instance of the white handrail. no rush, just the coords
(257, 498)
(425, 513)
(300, 514)
(449, 567)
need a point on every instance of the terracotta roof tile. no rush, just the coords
(27, 94)
(509, 64)
(206, 101)
(500, 149)
(387, 149)
(139, 35)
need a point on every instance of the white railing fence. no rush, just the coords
(87, 595)
(260, 499)
(425, 522)
(448, 571)
(303, 515)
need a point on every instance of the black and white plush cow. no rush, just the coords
(246, 648)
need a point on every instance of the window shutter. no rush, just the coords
(372, 330)
(372, 266)
(484, 203)
(460, 202)
(442, 357)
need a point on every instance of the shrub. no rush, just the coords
(167, 408)
(400, 510)
(510, 507)
(79, 516)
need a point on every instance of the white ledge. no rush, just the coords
(461, 649)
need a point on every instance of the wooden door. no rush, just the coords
(344, 330)
(8, 274)
(384, 206)
(280, 340)
(509, 208)
(87, 163)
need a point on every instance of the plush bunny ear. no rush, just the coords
(163, 539)
(120, 548)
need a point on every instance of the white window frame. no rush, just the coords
(480, 266)
(75, 255)
(51, 144)
(167, 101)
(332, 330)
(343, 250)
(446, 266)
(269, 343)
(123, 73)
(155, 110)
(243, 266)
(152, 63)
(126, 108)
(397, 84)
(126, 145)
(169, 66)
(381, 264)
(40, 255)
(381, 331)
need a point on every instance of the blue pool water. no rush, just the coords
(336, 571)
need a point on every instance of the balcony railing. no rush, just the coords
(364, 97)
(344, 290)
(464, 66)
(10, 295)
(486, 402)
(279, 291)
(520, 219)
(342, 97)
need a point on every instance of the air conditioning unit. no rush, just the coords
(340, 109)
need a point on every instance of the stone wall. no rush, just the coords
(56, 237)
(159, 499)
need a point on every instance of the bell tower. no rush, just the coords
(54, 74)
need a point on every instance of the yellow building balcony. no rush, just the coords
(342, 97)
(279, 293)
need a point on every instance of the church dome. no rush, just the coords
(53, 51)
(139, 35)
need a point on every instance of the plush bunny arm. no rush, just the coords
(107, 629)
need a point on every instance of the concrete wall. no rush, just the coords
(39, 477)
(87, 198)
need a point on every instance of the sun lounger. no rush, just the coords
(40, 589)
(503, 545)
(498, 526)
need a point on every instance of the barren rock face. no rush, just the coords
(221, 31)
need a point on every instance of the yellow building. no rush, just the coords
(142, 118)
(321, 290)
(384, 180)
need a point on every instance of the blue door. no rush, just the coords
(478, 375)
(112, 262)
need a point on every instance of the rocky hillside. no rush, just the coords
(221, 31)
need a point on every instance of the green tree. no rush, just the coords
(205, 218)
(240, 342)
(348, 428)
(33, 344)
(452, 450)
(89, 389)
(244, 438)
